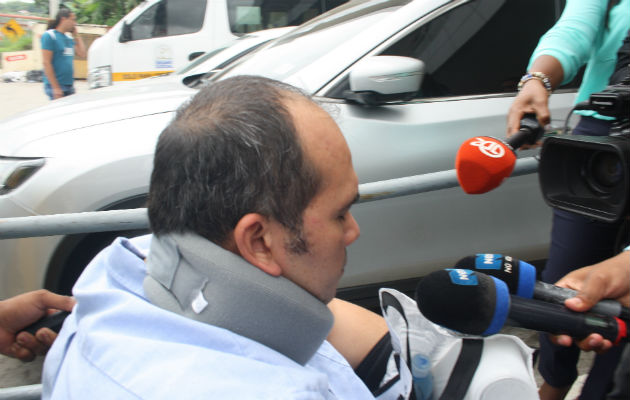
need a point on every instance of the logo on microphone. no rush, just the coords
(489, 147)
(463, 277)
(488, 261)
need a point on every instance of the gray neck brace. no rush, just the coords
(193, 277)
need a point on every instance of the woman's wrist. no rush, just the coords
(542, 78)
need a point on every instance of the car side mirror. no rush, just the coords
(125, 34)
(383, 79)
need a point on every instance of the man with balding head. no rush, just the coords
(249, 203)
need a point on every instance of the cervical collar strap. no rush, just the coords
(191, 276)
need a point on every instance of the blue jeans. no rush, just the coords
(67, 90)
(578, 241)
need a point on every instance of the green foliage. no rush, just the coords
(14, 7)
(98, 12)
(23, 43)
(101, 12)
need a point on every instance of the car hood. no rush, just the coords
(94, 107)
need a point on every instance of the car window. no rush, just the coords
(254, 15)
(169, 18)
(479, 47)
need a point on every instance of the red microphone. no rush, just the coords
(483, 162)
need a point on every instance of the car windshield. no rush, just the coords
(319, 36)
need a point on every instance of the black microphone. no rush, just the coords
(520, 278)
(474, 303)
(529, 132)
(53, 321)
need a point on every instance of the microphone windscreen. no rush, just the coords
(519, 276)
(464, 301)
(482, 163)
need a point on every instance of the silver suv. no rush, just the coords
(94, 151)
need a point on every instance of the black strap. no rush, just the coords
(464, 369)
(388, 300)
(373, 368)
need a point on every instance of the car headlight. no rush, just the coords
(100, 77)
(15, 171)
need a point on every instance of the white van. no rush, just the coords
(161, 36)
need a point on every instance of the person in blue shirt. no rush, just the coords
(249, 204)
(58, 51)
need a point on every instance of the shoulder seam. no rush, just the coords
(51, 33)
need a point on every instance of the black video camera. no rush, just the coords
(590, 175)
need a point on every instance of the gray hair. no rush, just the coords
(232, 150)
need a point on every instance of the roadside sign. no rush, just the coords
(16, 57)
(12, 30)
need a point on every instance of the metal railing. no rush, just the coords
(102, 221)
(29, 392)
(115, 220)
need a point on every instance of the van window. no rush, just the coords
(254, 15)
(169, 18)
(480, 47)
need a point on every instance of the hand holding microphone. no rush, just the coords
(532, 98)
(474, 303)
(19, 312)
(520, 278)
(607, 279)
(483, 162)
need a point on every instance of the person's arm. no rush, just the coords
(534, 96)
(560, 54)
(609, 279)
(356, 330)
(21, 311)
(79, 46)
(47, 56)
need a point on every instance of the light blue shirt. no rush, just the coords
(580, 38)
(117, 345)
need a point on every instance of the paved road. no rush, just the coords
(16, 97)
(19, 97)
(16, 373)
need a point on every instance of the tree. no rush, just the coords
(98, 12)
(14, 7)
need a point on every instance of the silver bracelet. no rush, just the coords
(536, 75)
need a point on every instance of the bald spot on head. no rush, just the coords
(320, 137)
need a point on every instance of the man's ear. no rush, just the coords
(254, 239)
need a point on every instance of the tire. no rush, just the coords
(75, 252)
